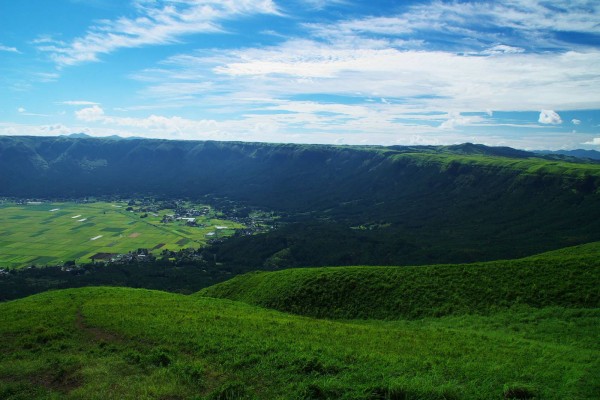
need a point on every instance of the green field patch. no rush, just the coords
(79, 254)
(158, 246)
(9, 257)
(39, 233)
(45, 207)
(117, 230)
(44, 260)
(82, 226)
(183, 242)
(18, 217)
(10, 265)
(55, 215)
(23, 259)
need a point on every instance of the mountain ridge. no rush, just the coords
(419, 204)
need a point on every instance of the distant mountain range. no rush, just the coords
(579, 153)
(82, 135)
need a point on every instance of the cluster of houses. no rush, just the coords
(145, 256)
(137, 256)
(181, 212)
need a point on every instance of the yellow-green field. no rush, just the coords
(53, 233)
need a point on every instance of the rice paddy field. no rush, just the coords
(53, 233)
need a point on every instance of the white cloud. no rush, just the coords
(526, 23)
(321, 4)
(549, 117)
(383, 88)
(157, 22)
(90, 114)
(369, 56)
(503, 49)
(46, 76)
(575, 121)
(78, 103)
(24, 111)
(440, 80)
(455, 119)
(9, 49)
(594, 142)
(154, 123)
(305, 122)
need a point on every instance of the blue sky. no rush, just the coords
(521, 73)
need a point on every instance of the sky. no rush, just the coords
(519, 73)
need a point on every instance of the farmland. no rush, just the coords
(54, 233)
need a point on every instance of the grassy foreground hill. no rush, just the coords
(568, 277)
(117, 343)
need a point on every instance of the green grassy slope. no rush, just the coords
(114, 343)
(569, 277)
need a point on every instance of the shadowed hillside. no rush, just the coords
(354, 205)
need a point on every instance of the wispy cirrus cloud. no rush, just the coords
(432, 72)
(23, 111)
(78, 103)
(531, 24)
(9, 49)
(370, 57)
(157, 23)
(383, 78)
(431, 80)
(321, 4)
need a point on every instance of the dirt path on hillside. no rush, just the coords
(97, 334)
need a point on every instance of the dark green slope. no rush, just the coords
(113, 343)
(565, 278)
(393, 205)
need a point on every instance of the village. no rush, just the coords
(254, 221)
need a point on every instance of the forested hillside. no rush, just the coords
(341, 204)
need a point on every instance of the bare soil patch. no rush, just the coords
(97, 334)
